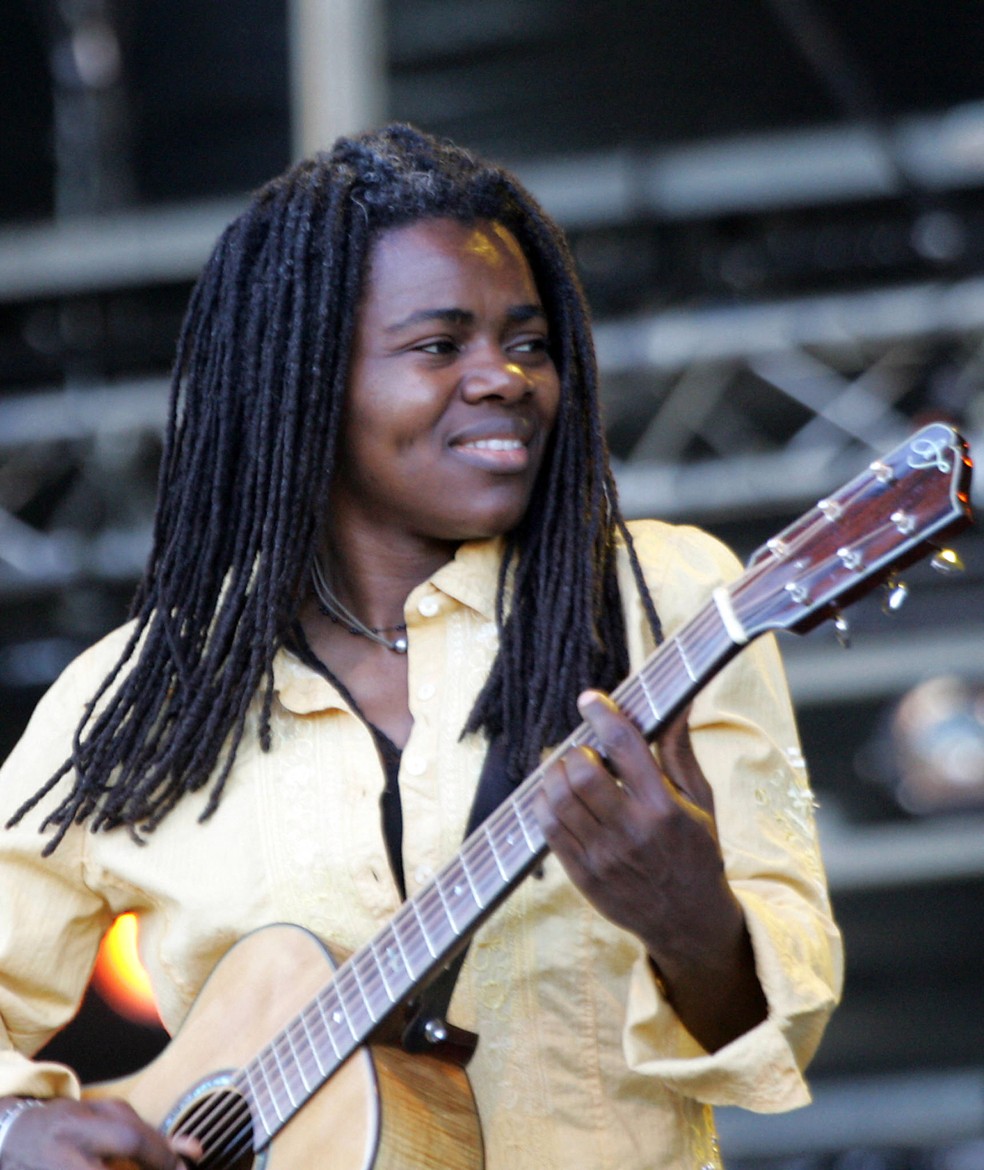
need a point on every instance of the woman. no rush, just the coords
(388, 535)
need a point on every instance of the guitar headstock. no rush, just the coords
(892, 514)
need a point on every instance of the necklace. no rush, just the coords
(331, 607)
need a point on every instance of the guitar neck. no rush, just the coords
(435, 923)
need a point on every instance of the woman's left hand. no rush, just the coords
(640, 841)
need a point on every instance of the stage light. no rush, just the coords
(937, 739)
(119, 976)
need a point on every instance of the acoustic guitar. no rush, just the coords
(286, 1062)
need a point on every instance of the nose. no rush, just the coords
(493, 374)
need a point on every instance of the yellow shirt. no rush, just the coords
(580, 1062)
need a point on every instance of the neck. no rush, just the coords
(373, 578)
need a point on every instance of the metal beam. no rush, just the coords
(750, 174)
(337, 70)
(675, 338)
(758, 173)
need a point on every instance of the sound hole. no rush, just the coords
(221, 1121)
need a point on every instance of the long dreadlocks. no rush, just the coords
(250, 449)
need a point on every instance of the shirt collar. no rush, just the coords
(470, 578)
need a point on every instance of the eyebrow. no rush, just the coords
(516, 314)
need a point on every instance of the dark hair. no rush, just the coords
(260, 374)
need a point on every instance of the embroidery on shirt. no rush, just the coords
(788, 798)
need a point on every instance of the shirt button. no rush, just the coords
(423, 873)
(415, 765)
(428, 606)
(426, 691)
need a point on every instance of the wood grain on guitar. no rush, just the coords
(275, 1057)
(382, 1109)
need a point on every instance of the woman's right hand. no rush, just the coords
(104, 1134)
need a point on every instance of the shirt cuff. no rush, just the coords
(760, 1070)
(20, 1077)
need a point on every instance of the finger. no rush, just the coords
(624, 747)
(593, 795)
(566, 843)
(559, 806)
(680, 765)
(187, 1147)
(115, 1133)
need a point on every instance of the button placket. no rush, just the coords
(419, 787)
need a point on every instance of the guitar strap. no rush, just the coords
(428, 1025)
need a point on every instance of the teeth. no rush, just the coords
(497, 444)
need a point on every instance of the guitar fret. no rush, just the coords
(381, 968)
(297, 1056)
(423, 929)
(394, 925)
(494, 852)
(471, 885)
(711, 642)
(346, 1014)
(252, 1096)
(335, 1017)
(684, 659)
(515, 837)
(284, 1076)
(447, 906)
(270, 1093)
(312, 1044)
(531, 844)
(650, 697)
(461, 889)
(366, 1002)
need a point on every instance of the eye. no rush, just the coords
(437, 347)
(537, 344)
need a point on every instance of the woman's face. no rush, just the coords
(452, 392)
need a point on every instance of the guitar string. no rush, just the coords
(230, 1110)
(485, 865)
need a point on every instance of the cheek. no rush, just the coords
(552, 403)
(399, 414)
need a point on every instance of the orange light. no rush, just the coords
(119, 976)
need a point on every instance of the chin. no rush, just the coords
(490, 527)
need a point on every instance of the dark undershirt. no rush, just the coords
(391, 804)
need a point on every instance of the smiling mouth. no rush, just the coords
(495, 445)
(499, 454)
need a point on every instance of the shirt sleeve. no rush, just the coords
(744, 736)
(52, 922)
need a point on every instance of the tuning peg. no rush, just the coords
(842, 630)
(947, 561)
(896, 592)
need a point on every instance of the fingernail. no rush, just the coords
(585, 699)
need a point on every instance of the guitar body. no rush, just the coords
(382, 1110)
